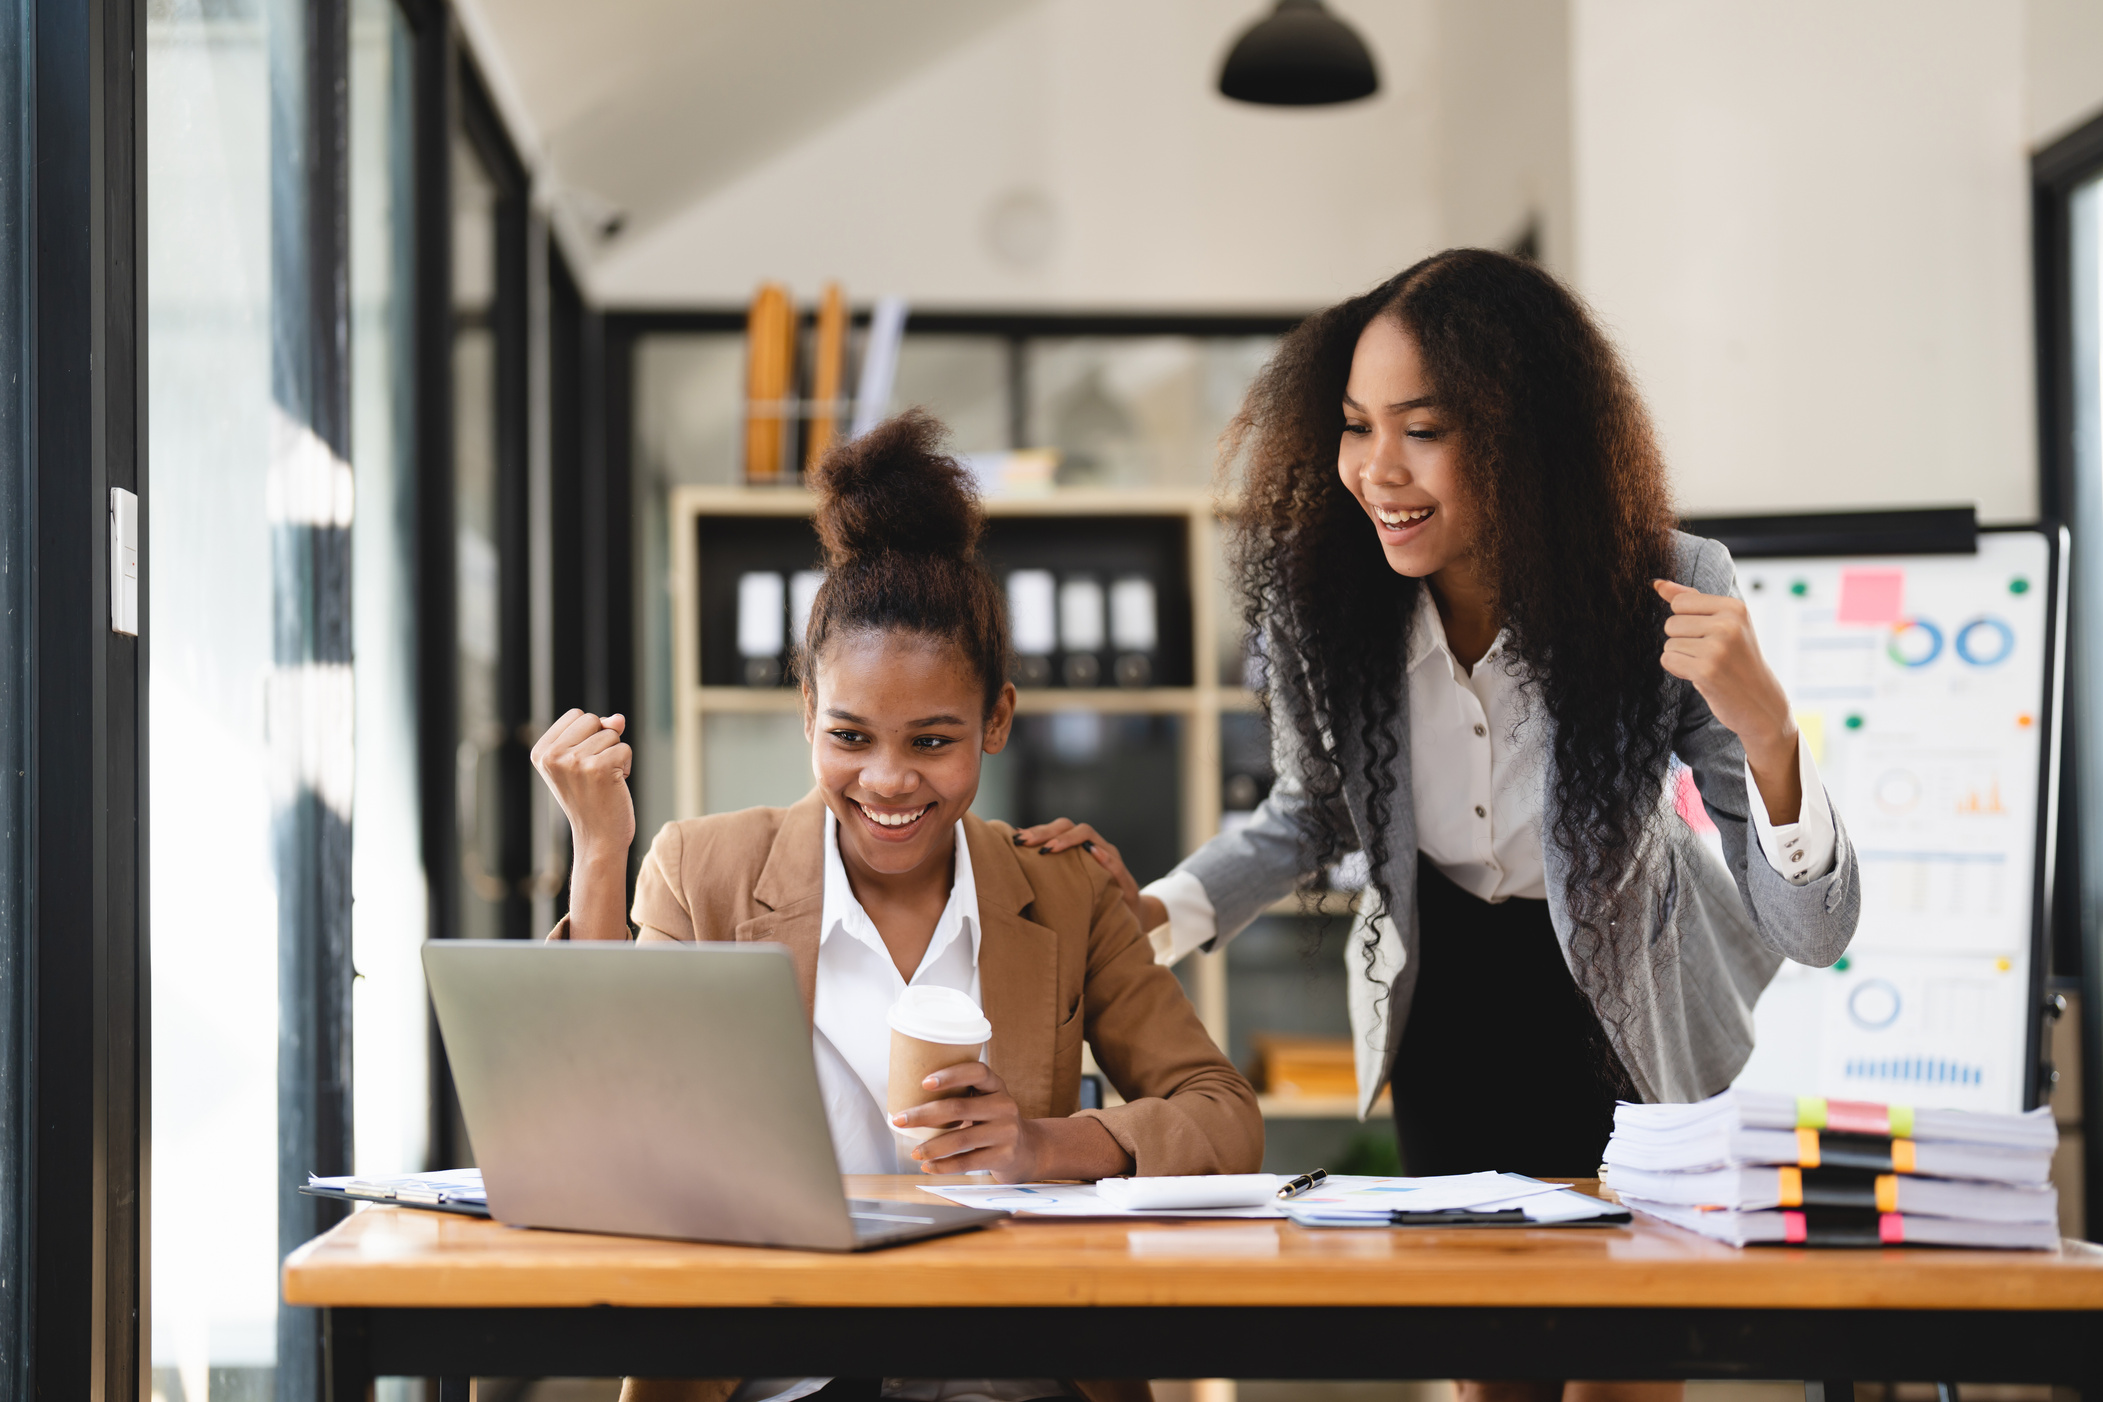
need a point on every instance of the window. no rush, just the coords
(281, 709)
(390, 912)
(211, 421)
(478, 536)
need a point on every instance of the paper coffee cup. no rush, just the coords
(930, 1028)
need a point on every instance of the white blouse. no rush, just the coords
(851, 1034)
(858, 981)
(1478, 751)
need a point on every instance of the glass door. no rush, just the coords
(492, 625)
(478, 555)
(214, 899)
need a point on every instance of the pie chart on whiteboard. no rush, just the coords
(1985, 642)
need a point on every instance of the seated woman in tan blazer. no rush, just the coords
(882, 878)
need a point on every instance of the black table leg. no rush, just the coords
(345, 1349)
(1829, 1391)
(455, 1388)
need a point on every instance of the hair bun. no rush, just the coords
(893, 490)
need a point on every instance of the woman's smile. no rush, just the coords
(1399, 523)
(892, 824)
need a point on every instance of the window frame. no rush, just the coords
(451, 96)
(2057, 172)
(76, 1131)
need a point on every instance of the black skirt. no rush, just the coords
(1503, 1064)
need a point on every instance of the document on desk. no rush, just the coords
(1074, 1200)
(1461, 1199)
(450, 1190)
(1343, 1201)
(1121, 1200)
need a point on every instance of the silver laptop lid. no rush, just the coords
(655, 1090)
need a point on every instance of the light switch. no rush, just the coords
(124, 562)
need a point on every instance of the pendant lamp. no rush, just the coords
(1300, 55)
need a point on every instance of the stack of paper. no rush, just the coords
(1752, 1166)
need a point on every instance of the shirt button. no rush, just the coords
(1480, 731)
(1481, 812)
(1796, 856)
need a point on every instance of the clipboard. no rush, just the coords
(1504, 1217)
(464, 1209)
(410, 1190)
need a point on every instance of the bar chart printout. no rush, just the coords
(1920, 685)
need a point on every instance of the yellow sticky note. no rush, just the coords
(1813, 725)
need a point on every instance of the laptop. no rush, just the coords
(653, 1090)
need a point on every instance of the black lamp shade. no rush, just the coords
(1299, 56)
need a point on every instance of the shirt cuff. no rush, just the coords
(1807, 849)
(1191, 923)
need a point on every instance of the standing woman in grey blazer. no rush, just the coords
(1486, 644)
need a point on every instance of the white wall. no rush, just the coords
(1092, 128)
(2064, 61)
(1503, 140)
(1807, 225)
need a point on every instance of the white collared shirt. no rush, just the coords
(1477, 752)
(851, 1035)
(857, 983)
(1478, 757)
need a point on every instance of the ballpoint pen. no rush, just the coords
(1306, 1182)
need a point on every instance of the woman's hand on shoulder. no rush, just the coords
(585, 761)
(1709, 642)
(1062, 833)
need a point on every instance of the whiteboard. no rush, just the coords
(1924, 686)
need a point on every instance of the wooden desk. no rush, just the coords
(422, 1293)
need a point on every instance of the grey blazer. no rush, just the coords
(1729, 923)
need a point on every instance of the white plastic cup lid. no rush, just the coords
(942, 1015)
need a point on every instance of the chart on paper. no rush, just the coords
(1920, 684)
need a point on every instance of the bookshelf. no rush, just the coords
(1198, 699)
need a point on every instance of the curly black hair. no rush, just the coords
(1566, 478)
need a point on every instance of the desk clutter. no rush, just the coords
(1752, 1167)
(1336, 1200)
(1339, 1200)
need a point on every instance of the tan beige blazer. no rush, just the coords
(1061, 961)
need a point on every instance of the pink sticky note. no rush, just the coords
(1872, 596)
